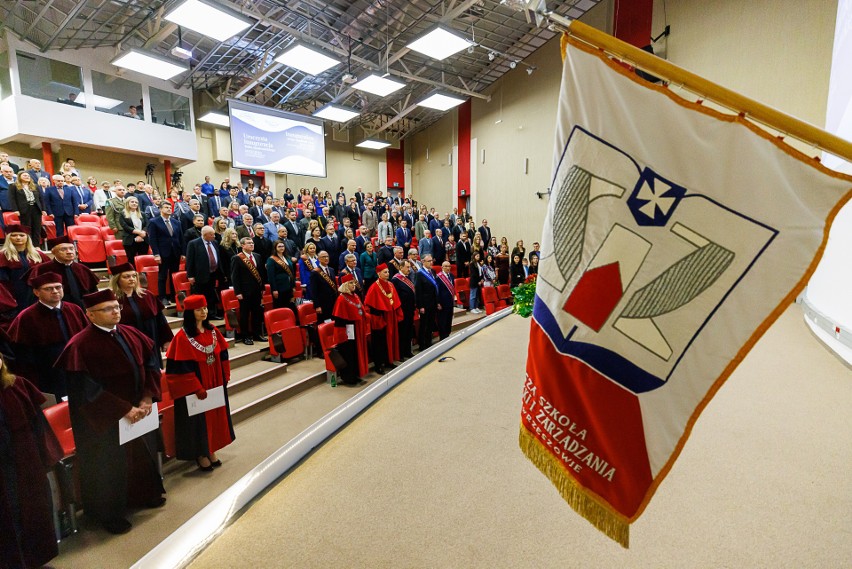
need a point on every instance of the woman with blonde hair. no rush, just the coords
(135, 226)
(18, 256)
(28, 451)
(477, 246)
(139, 308)
(230, 245)
(307, 263)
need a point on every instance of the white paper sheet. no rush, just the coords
(128, 431)
(350, 331)
(215, 399)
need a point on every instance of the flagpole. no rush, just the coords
(667, 71)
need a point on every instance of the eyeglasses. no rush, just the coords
(116, 308)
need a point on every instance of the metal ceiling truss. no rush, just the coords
(367, 35)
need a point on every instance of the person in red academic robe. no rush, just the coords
(197, 361)
(40, 332)
(110, 378)
(28, 449)
(77, 279)
(349, 314)
(17, 256)
(139, 308)
(8, 310)
(385, 310)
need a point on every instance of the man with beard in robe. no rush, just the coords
(405, 291)
(41, 331)
(384, 309)
(349, 314)
(110, 377)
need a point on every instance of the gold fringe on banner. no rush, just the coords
(613, 525)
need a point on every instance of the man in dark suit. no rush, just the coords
(294, 229)
(426, 293)
(204, 267)
(215, 203)
(446, 300)
(361, 240)
(85, 197)
(405, 290)
(187, 219)
(257, 212)
(248, 276)
(350, 267)
(403, 235)
(359, 196)
(463, 253)
(166, 241)
(438, 249)
(193, 232)
(385, 253)
(331, 245)
(62, 204)
(485, 233)
(323, 287)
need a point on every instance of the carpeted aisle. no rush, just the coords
(432, 476)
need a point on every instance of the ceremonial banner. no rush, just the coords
(675, 236)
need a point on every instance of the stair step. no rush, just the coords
(275, 389)
(253, 374)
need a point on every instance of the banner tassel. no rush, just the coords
(609, 523)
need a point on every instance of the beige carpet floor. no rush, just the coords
(431, 476)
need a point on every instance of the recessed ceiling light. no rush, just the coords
(308, 60)
(373, 144)
(439, 43)
(217, 119)
(441, 102)
(336, 113)
(149, 64)
(207, 20)
(376, 85)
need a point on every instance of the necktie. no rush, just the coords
(129, 355)
(62, 326)
(211, 256)
(80, 193)
(169, 226)
(61, 192)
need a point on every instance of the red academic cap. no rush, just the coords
(51, 243)
(122, 268)
(96, 298)
(43, 279)
(346, 278)
(382, 267)
(194, 302)
(17, 228)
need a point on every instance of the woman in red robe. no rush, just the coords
(17, 255)
(28, 449)
(385, 311)
(197, 361)
(349, 311)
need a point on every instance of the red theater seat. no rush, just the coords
(90, 244)
(147, 267)
(283, 321)
(115, 253)
(88, 218)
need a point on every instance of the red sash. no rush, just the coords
(445, 279)
(402, 278)
(252, 269)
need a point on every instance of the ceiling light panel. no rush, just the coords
(373, 144)
(336, 113)
(307, 60)
(381, 86)
(207, 20)
(439, 44)
(217, 119)
(441, 102)
(148, 64)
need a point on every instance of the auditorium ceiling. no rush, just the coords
(367, 35)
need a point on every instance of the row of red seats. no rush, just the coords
(10, 217)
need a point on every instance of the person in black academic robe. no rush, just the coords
(77, 279)
(28, 449)
(13, 273)
(192, 368)
(323, 287)
(426, 291)
(110, 378)
(248, 277)
(405, 291)
(140, 309)
(446, 300)
(38, 337)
